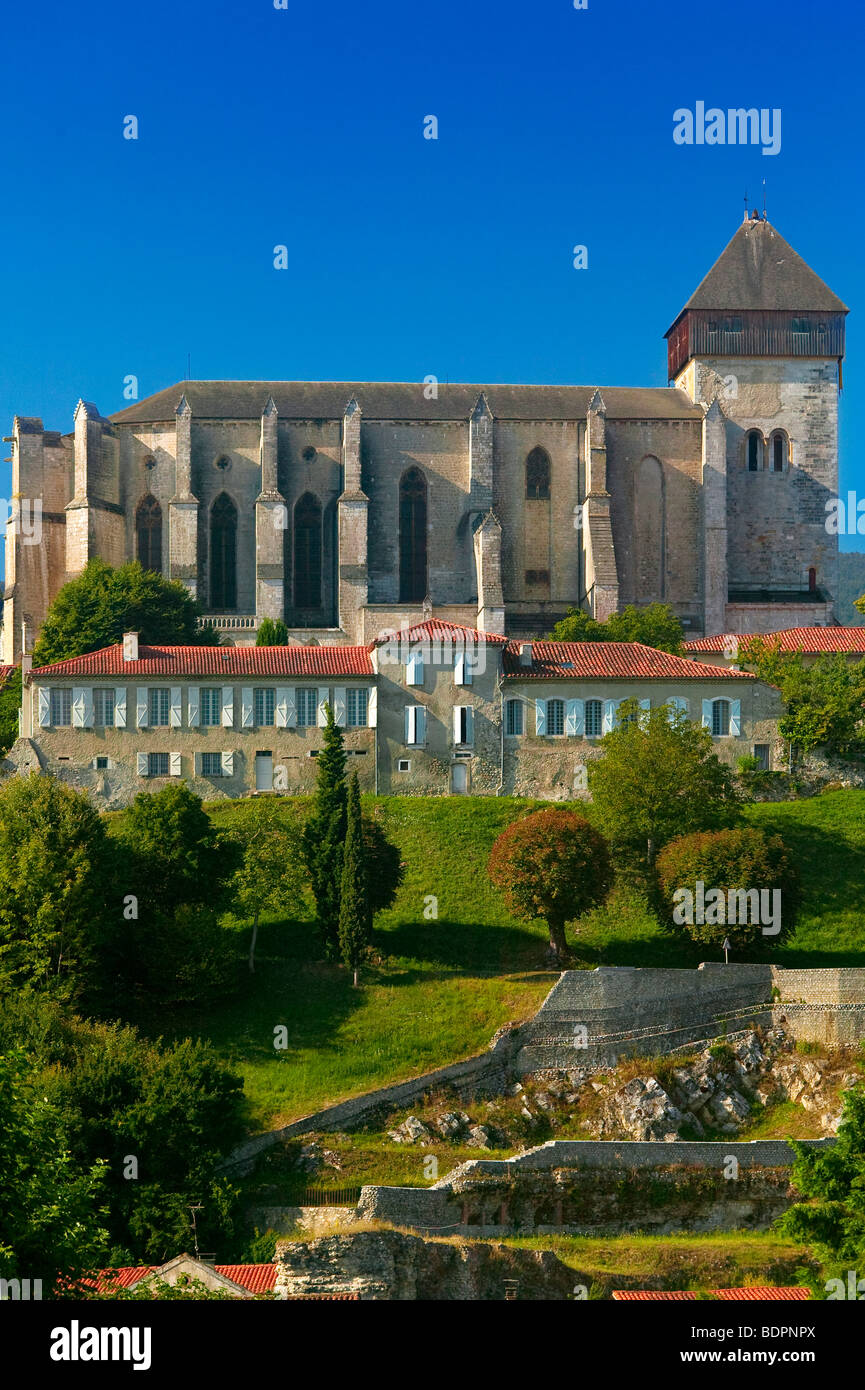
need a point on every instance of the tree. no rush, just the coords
(324, 835)
(355, 917)
(272, 632)
(51, 1217)
(56, 881)
(10, 703)
(832, 1219)
(726, 862)
(659, 777)
(100, 604)
(655, 625)
(824, 701)
(554, 865)
(271, 875)
(173, 854)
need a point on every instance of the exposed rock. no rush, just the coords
(642, 1110)
(485, 1137)
(411, 1131)
(451, 1124)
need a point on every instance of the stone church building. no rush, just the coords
(350, 508)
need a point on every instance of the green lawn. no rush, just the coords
(439, 988)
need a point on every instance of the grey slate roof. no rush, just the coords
(758, 269)
(404, 400)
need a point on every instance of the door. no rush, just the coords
(264, 772)
(459, 779)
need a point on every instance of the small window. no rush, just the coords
(555, 716)
(761, 753)
(61, 707)
(158, 764)
(538, 474)
(594, 718)
(103, 709)
(403, 765)
(801, 326)
(357, 702)
(754, 446)
(720, 718)
(264, 702)
(101, 764)
(514, 717)
(307, 708)
(159, 701)
(211, 706)
(537, 576)
(211, 764)
(733, 325)
(778, 451)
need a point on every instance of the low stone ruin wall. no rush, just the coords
(600, 1188)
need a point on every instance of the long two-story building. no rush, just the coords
(433, 709)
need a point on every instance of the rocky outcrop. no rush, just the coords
(393, 1265)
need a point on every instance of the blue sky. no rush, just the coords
(407, 256)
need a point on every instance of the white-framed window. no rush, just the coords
(61, 707)
(264, 700)
(594, 718)
(514, 717)
(211, 765)
(555, 717)
(159, 703)
(403, 765)
(415, 724)
(463, 725)
(357, 704)
(103, 708)
(307, 707)
(720, 718)
(211, 706)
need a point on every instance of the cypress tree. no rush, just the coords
(324, 836)
(355, 919)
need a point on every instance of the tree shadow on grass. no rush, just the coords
(466, 947)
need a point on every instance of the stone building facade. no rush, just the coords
(348, 508)
(434, 709)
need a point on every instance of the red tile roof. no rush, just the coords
(608, 660)
(745, 1295)
(789, 639)
(438, 629)
(254, 1278)
(294, 660)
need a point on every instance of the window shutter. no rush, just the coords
(290, 707)
(44, 707)
(470, 725)
(458, 710)
(540, 716)
(175, 764)
(78, 693)
(645, 706)
(414, 669)
(280, 707)
(176, 707)
(410, 712)
(339, 707)
(575, 722)
(142, 764)
(193, 702)
(196, 764)
(228, 764)
(246, 710)
(228, 707)
(420, 725)
(610, 709)
(141, 707)
(735, 718)
(323, 693)
(120, 707)
(462, 671)
(677, 704)
(372, 707)
(707, 715)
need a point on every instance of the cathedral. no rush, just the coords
(348, 509)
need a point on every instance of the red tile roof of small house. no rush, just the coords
(259, 1278)
(743, 1295)
(164, 662)
(437, 630)
(5, 673)
(788, 639)
(609, 661)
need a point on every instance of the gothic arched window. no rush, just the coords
(779, 451)
(148, 534)
(412, 537)
(223, 553)
(307, 552)
(754, 446)
(538, 474)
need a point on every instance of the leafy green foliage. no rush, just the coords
(355, 917)
(100, 604)
(10, 703)
(832, 1219)
(56, 871)
(324, 834)
(727, 860)
(655, 625)
(659, 778)
(172, 854)
(824, 700)
(271, 876)
(552, 864)
(272, 632)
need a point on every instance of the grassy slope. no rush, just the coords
(440, 988)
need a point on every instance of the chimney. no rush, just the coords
(130, 646)
(525, 653)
